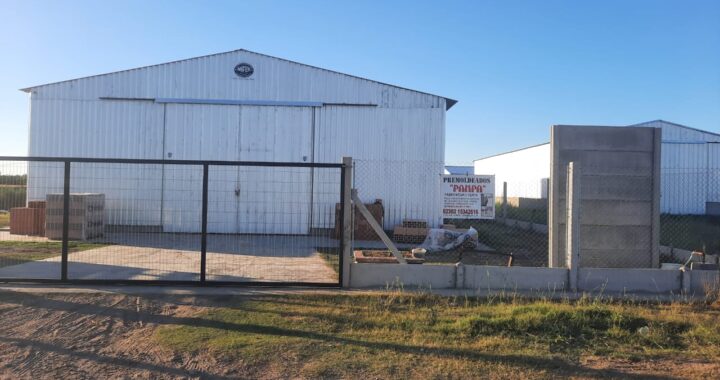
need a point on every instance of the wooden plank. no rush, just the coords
(377, 228)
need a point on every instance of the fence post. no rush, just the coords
(203, 238)
(346, 219)
(572, 217)
(504, 204)
(66, 223)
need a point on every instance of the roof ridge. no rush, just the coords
(449, 101)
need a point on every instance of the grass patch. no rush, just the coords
(19, 252)
(523, 214)
(398, 335)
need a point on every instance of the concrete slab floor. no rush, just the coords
(176, 257)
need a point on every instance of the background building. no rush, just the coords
(690, 169)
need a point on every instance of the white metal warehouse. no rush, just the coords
(239, 106)
(690, 169)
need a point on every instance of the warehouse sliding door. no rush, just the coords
(200, 132)
(275, 200)
(242, 199)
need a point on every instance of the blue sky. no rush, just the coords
(516, 67)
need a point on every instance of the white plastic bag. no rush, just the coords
(445, 240)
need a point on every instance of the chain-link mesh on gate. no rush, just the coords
(181, 221)
(406, 197)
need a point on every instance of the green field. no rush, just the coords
(4, 219)
(526, 215)
(691, 232)
(400, 335)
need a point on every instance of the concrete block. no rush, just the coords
(704, 281)
(620, 188)
(515, 278)
(409, 275)
(609, 162)
(614, 237)
(614, 258)
(610, 212)
(414, 223)
(630, 280)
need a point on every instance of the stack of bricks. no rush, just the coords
(28, 220)
(361, 227)
(412, 231)
(86, 219)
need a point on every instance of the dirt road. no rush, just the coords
(94, 336)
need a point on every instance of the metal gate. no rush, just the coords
(98, 220)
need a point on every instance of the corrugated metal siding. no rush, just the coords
(525, 171)
(713, 173)
(212, 77)
(684, 178)
(200, 132)
(399, 157)
(100, 130)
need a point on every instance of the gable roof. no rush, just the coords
(448, 101)
(632, 125)
(459, 169)
(676, 125)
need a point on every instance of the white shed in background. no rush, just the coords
(232, 106)
(690, 169)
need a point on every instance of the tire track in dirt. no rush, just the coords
(92, 336)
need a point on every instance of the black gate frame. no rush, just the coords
(203, 235)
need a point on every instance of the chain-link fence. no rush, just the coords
(619, 223)
(690, 201)
(406, 198)
(170, 221)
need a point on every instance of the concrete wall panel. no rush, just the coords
(630, 280)
(619, 194)
(514, 278)
(410, 275)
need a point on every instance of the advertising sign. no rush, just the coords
(468, 196)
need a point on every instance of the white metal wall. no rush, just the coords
(526, 171)
(100, 129)
(399, 154)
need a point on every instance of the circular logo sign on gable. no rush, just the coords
(244, 70)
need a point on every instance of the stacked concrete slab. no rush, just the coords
(87, 216)
(620, 195)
